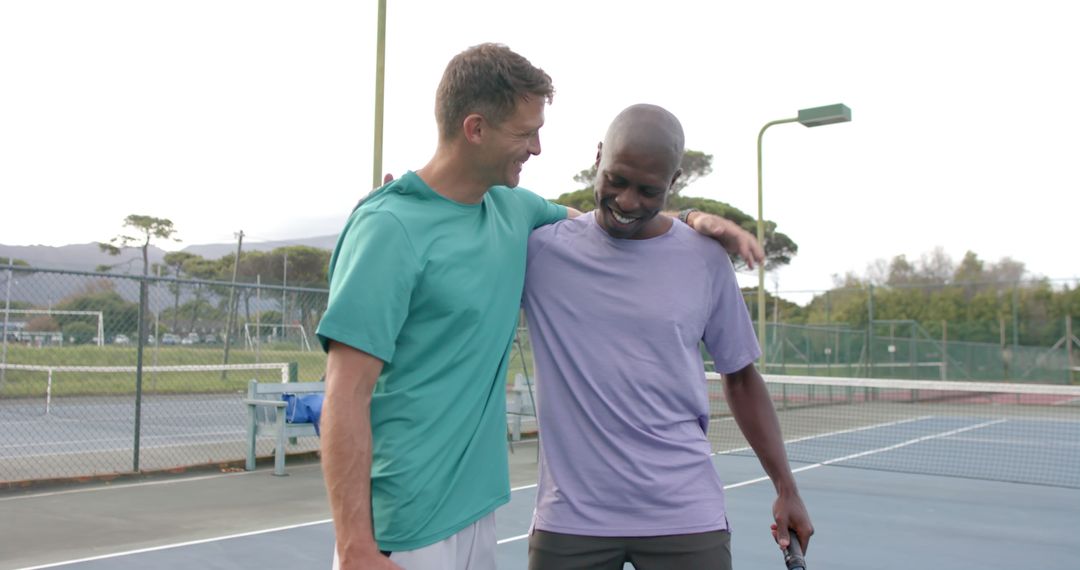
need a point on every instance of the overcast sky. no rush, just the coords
(257, 115)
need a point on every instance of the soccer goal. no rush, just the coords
(99, 339)
(255, 335)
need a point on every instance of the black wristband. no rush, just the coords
(684, 216)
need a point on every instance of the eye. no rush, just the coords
(616, 182)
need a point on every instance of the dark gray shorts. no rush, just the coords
(554, 551)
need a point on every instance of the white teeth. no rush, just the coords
(621, 219)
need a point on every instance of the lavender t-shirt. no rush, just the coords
(622, 400)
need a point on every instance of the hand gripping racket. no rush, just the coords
(793, 555)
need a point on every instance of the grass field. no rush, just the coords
(25, 383)
(35, 383)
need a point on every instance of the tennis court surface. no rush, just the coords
(928, 476)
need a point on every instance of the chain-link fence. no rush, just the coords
(104, 373)
(84, 392)
(1014, 331)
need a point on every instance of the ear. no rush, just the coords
(599, 151)
(674, 177)
(473, 128)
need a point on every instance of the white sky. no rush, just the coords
(257, 115)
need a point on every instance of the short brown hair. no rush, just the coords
(487, 79)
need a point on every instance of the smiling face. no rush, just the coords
(508, 144)
(636, 165)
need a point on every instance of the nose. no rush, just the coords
(534, 144)
(627, 200)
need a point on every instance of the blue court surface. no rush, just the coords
(867, 512)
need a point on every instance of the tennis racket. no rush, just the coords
(793, 555)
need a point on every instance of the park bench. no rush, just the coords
(266, 410)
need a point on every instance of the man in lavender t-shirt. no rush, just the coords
(617, 303)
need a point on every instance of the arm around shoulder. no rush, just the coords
(732, 237)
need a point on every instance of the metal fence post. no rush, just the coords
(7, 311)
(138, 372)
(870, 334)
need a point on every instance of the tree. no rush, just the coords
(936, 267)
(779, 248)
(197, 267)
(79, 332)
(176, 260)
(294, 266)
(120, 316)
(901, 272)
(43, 323)
(148, 228)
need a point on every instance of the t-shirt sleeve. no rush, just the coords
(729, 333)
(372, 275)
(540, 211)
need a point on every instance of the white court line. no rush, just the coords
(523, 536)
(835, 460)
(126, 442)
(120, 486)
(1025, 442)
(54, 416)
(512, 539)
(170, 546)
(832, 433)
(878, 450)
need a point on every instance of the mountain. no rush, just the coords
(80, 257)
(219, 250)
(87, 256)
(45, 289)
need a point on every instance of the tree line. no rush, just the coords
(973, 300)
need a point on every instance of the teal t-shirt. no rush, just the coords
(432, 287)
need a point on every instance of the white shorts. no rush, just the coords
(471, 548)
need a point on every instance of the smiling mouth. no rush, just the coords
(620, 218)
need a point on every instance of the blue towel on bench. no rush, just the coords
(303, 409)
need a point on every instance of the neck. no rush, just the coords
(656, 227)
(450, 174)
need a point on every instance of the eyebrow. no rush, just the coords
(619, 178)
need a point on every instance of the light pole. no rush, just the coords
(813, 117)
(380, 79)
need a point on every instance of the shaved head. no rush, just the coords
(649, 129)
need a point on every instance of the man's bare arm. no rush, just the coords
(748, 399)
(346, 454)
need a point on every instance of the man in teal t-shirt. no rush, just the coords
(445, 305)
(425, 286)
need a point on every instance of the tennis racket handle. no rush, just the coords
(793, 555)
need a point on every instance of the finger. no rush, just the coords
(759, 252)
(804, 535)
(387, 178)
(783, 538)
(748, 255)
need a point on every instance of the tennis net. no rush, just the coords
(1024, 433)
(59, 421)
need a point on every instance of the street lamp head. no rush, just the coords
(827, 115)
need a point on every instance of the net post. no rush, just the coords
(1068, 349)
(290, 372)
